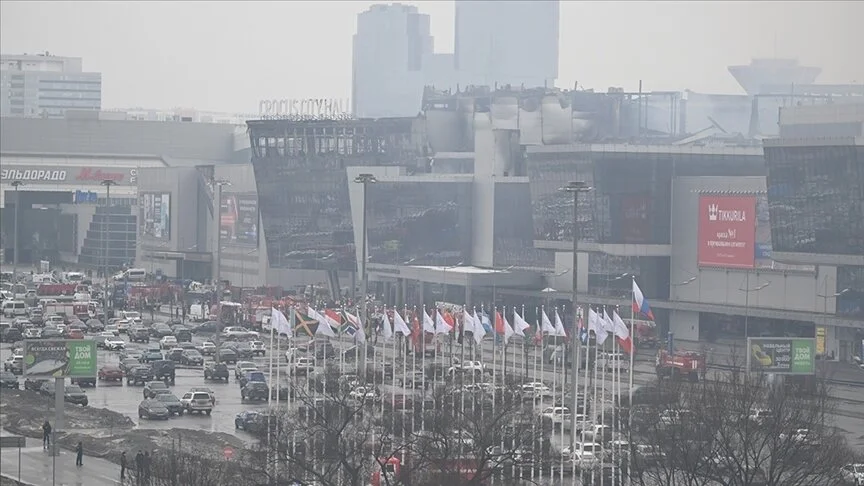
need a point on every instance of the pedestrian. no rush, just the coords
(79, 454)
(122, 466)
(147, 467)
(46, 435)
(139, 466)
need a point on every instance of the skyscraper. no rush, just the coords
(507, 42)
(389, 47)
(46, 86)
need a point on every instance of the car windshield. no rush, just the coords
(73, 389)
(158, 385)
(201, 396)
(167, 397)
(192, 353)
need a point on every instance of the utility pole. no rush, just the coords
(364, 179)
(575, 187)
(105, 231)
(217, 249)
(16, 185)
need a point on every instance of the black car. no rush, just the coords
(139, 335)
(174, 354)
(84, 382)
(127, 364)
(138, 375)
(153, 409)
(171, 402)
(159, 331)
(183, 335)
(33, 384)
(10, 335)
(74, 394)
(51, 333)
(163, 370)
(255, 390)
(153, 388)
(226, 355)
(251, 421)
(251, 376)
(191, 357)
(8, 380)
(209, 326)
(243, 349)
(216, 371)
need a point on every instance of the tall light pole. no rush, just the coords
(217, 248)
(746, 289)
(16, 185)
(106, 229)
(575, 187)
(364, 179)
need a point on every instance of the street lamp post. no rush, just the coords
(16, 185)
(746, 289)
(575, 187)
(106, 229)
(364, 179)
(217, 267)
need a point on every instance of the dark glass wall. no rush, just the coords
(514, 238)
(850, 284)
(422, 222)
(303, 187)
(816, 199)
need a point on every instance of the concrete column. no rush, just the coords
(468, 299)
(400, 293)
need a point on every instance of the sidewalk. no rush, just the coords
(37, 467)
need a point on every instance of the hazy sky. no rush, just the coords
(225, 56)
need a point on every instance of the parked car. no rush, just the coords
(168, 342)
(110, 372)
(152, 356)
(243, 350)
(208, 391)
(226, 355)
(127, 364)
(139, 375)
(199, 402)
(171, 402)
(114, 344)
(258, 348)
(216, 371)
(302, 366)
(255, 390)
(207, 348)
(163, 370)
(243, 367)
(33, 384)
(250, 421)
(82, 382)
(10, 335)
(183, 335)
(74, 394)
(9, 380)
(139, 335)
(174, 354)
(32, 333)
(14, 364)
(153, 409)
(153, 388)
(191, 357)
(252, 376)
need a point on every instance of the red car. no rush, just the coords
(76, 334)
(110, 372)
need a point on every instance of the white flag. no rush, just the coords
(386, 329)
(508, 329)
(519, 324)
(324, 328)
(428, 323)
(559, 326)
(441, 326)
(400, 324)
(467, 322)
(360, 333)
(595, 325)
(479, 330)
(546, 325)
(280, 323)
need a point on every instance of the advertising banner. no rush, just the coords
(68, 175)
(155, 215)
(789, 356)
(60, 358)
(820, 340)
(727, 231)
(238, 221)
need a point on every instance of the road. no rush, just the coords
(39, 468)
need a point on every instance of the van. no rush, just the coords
(14, 308)
(45, 278)
(132, 275)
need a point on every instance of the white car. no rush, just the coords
(207, 348)
(114, 344)
(586, 455)
(32, 333)
(168, 342)
(558, 415)
(243, 367)
(258, 348)
(475, 366)
(237, 332)
(538, 389)
(113, 329)
(853, 473)
(362, 393)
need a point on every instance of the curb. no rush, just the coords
(14, 480)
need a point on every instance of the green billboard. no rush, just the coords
(60, 358)
(790, 356)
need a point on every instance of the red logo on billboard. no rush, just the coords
(727, 231)
(98, 175)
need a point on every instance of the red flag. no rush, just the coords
(332, 314)
(415, 330)
(499, 323)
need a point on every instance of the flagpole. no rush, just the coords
(413, 370)
(270, 448)
(278, 383)
(534, 451)
(585, 382)
(603, 400)
(423, 365)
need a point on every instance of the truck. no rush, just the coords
(680, 364)
(57, 291)
(395, 470)
(646, 334)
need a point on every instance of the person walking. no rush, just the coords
(79, 454)
(122, 467)
(146, 467)
(139, 467)
(46, 435)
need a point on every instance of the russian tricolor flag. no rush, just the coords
(640, 303)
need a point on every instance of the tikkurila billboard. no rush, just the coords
(727, 231)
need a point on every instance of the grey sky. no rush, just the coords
(225, 56)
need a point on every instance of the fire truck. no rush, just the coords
(680, 364)
(395, 470)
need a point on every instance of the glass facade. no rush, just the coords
(513, 242)
(119, 228)
(427, 222)
(816, 199)
(303, 186)
(850, 285)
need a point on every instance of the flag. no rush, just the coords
(622, 333)
(640, 303)
(334, 317)
(595, 325)
(428, 323)
(583, 331)
(467, 322)
(279, 322)
(324, 328)
(503, 327)
(355, 327)
(479, 329)
(441, 326)
(559, 326)
(386, 329)
(519, 324)
(546, 325)
(607, 323)
(400, 324)
(484, 321)
(417, 332)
